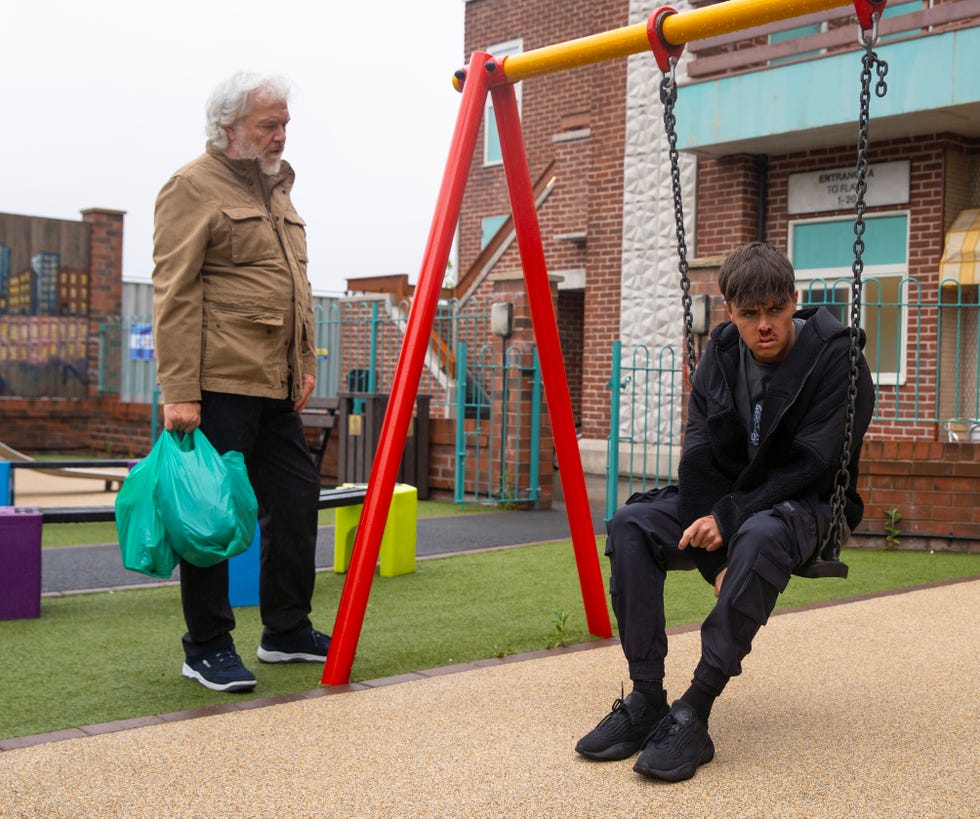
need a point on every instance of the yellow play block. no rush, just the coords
(398, 542)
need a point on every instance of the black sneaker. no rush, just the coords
(307, 648)
(678, 744)
(220, 670)
(621, 732)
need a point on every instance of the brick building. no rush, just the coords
(767, 129)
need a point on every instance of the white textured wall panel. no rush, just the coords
(651, 311)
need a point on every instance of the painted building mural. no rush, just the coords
(44, 307)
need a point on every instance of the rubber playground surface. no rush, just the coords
(866, 707)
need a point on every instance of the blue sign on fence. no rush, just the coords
(141, 342)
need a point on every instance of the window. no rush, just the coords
(45, 268)
(822, 253)
(793, 34)
(895, 8)
(489, 226)
(491, 139)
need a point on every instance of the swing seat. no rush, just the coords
(818, 567)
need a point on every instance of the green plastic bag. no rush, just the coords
(205, 500)
(143, 541)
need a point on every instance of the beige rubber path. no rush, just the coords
(867, 708)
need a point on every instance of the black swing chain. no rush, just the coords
(835, 535)
(668, 96)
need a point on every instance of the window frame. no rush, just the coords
(836, 278)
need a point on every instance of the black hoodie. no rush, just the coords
(803, 422)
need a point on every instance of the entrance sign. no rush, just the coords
(835, 188)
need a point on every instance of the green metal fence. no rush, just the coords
(923, 348)
(498, 426)
(359, 339)
(127, 363)
(644, 436)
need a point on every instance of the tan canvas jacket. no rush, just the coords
(232, 306)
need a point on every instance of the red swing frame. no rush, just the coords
(665, 32)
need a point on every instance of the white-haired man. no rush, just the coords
(233, 331)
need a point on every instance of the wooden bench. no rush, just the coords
(320, 416)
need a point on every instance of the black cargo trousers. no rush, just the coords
(760, 557)
(269, 433)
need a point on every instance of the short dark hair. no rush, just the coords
(757, 274)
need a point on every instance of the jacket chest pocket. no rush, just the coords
(252, 237)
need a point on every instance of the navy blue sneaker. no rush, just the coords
(220, 670)
(676, 747)
(311, 647)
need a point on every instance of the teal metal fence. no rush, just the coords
(127, 362)
(359, 339)
(498, 426)
(644, 435)
(923, 348)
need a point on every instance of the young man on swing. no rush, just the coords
(766, 423)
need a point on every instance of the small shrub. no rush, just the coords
(892, 531)
(560, 636)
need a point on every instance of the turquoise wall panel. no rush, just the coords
(831, 244)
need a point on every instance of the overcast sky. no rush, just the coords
(104, 100)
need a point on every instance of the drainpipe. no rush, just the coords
(762, 177)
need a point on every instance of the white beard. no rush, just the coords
(249, 150)
(270, 167)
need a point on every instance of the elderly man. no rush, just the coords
(233, 330)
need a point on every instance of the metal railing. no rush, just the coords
(498, 425)
(821, 34)
(645, 420)
(924, 355)
(358, 342)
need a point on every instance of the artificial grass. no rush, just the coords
(109, 656)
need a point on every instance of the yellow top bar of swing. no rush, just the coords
(679, 28)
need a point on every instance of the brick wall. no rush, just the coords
(932, 485)
(571, 319)
(576, 118)
(105, 277)
(90, 427)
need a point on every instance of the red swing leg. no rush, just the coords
(394, 429)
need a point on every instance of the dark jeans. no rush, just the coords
(270, 435)
(642, 548)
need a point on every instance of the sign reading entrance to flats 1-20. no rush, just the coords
(836, 188)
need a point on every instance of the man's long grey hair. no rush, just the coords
(228, 102)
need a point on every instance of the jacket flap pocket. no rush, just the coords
(243, 214)
(253, 315)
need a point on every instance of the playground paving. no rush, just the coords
(866, 707)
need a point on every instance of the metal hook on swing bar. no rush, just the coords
(669, 82)
(868, 41)
(868, 12)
